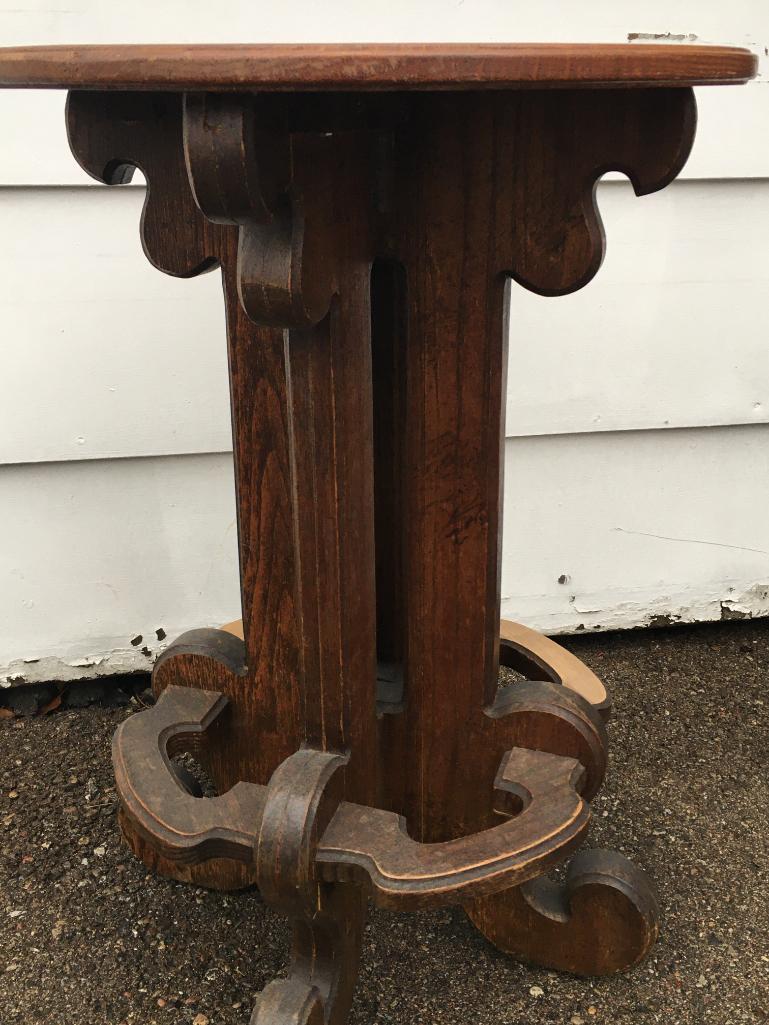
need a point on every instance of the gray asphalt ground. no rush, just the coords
(87, 937)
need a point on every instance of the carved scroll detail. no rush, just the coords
(214, 173)
(111, 134)
(255, 179)
(560, 145)
(603, 919)
(243, 169)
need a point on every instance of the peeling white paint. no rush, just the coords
(590, 614)
(104, 562)
(694, 535)
(583, 613)
(662, 37)
(49, 668)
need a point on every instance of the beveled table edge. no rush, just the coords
(372, 66)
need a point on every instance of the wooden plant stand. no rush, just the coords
(366, 206)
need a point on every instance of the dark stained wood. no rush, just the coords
(306, 533)
(549, 820)
(182, 827)
(603, 919)
(543, 818)
(371, 66)
(356, 732)
(260, 678)
(300, 799)
(111, 135)
(550, 228)
(459, 236)
(294, 256)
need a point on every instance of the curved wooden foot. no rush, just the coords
(603, 919)
(540, 658)
(544, 716)
(327, 918)
(214, 874)
(543, 817)
(324, 964)
(288, 1002)
(559, 709)
(208, 660)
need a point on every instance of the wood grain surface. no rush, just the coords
(371, 66)
(541, 817)
(365, 243)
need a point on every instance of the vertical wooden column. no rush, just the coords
(331, 432)
(265, 724)
(277, 195)
(452, 356)
(489, 186)
(300, 200)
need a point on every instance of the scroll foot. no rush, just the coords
(603, 919)
(288, 1002)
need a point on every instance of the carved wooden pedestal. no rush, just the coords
(365, 216)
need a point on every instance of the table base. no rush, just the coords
(356, 733)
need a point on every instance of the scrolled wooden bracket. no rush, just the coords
(257, 179)
(113, 133)
(349, 842)
(299, 802)
(179, 826)
(565, 143)
(218, 180)
(545, 716)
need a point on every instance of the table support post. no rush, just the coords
(447, 196)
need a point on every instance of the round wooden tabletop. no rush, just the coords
(371, 66)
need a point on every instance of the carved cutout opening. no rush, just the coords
(388, 340)
(193, 775)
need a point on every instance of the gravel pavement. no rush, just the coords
(87, 937)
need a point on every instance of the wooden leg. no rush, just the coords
(327, 918)
(603, 919)
(325, 952)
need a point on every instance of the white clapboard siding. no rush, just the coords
(637, 450)
(672, 332)
(643, 527)
(96, 554)
(732, 140)
(128, 362)
(125, 361)
(118, 359)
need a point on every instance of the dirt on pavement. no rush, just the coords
(90, 938)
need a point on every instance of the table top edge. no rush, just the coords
(281, 67)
